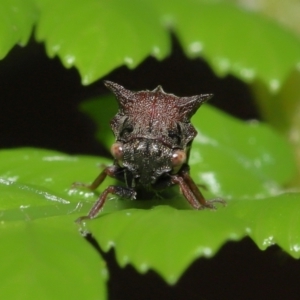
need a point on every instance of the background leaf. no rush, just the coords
(284, 12)
(243, 151)
(221, 33)
(282, 111)
(101, 36)
(16, 22)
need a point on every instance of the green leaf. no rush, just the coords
(258, 159)
(98, 36)
(282, 110)
(44, 255)
(165, 239)
(274, 220)
(168, 240)
(44, 259)
(102, 111)
(285, 13)
(38, 210)
(16, 22)
(233, 40)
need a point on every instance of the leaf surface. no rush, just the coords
(97, 37)
(16, 22)
(44, 255)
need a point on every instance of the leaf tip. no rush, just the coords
(69, 60)
(86, 79)
(274, 85)
(104, 272)
(295, 250)
(172, 279)
(129, 62)
(247, 74)
(143, 267)
(205, 251)
(195, 48)
(156, 51)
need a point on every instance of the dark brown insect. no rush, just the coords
(153, 139)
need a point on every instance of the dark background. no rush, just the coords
(39, 100)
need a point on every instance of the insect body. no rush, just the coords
(153, 139)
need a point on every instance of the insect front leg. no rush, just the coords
(192, 193)
(111, 171)
(124, 192)
(121, 191)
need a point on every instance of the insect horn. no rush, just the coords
(158, 89)
(121, 93)
(191, 104)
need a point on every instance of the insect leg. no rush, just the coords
(112, 189)
(192, 193)
(108, 171)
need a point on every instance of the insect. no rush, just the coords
(153, 137)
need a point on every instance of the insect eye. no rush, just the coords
(175, 137)
(178, 159)
(126, 130)
(117, 150)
